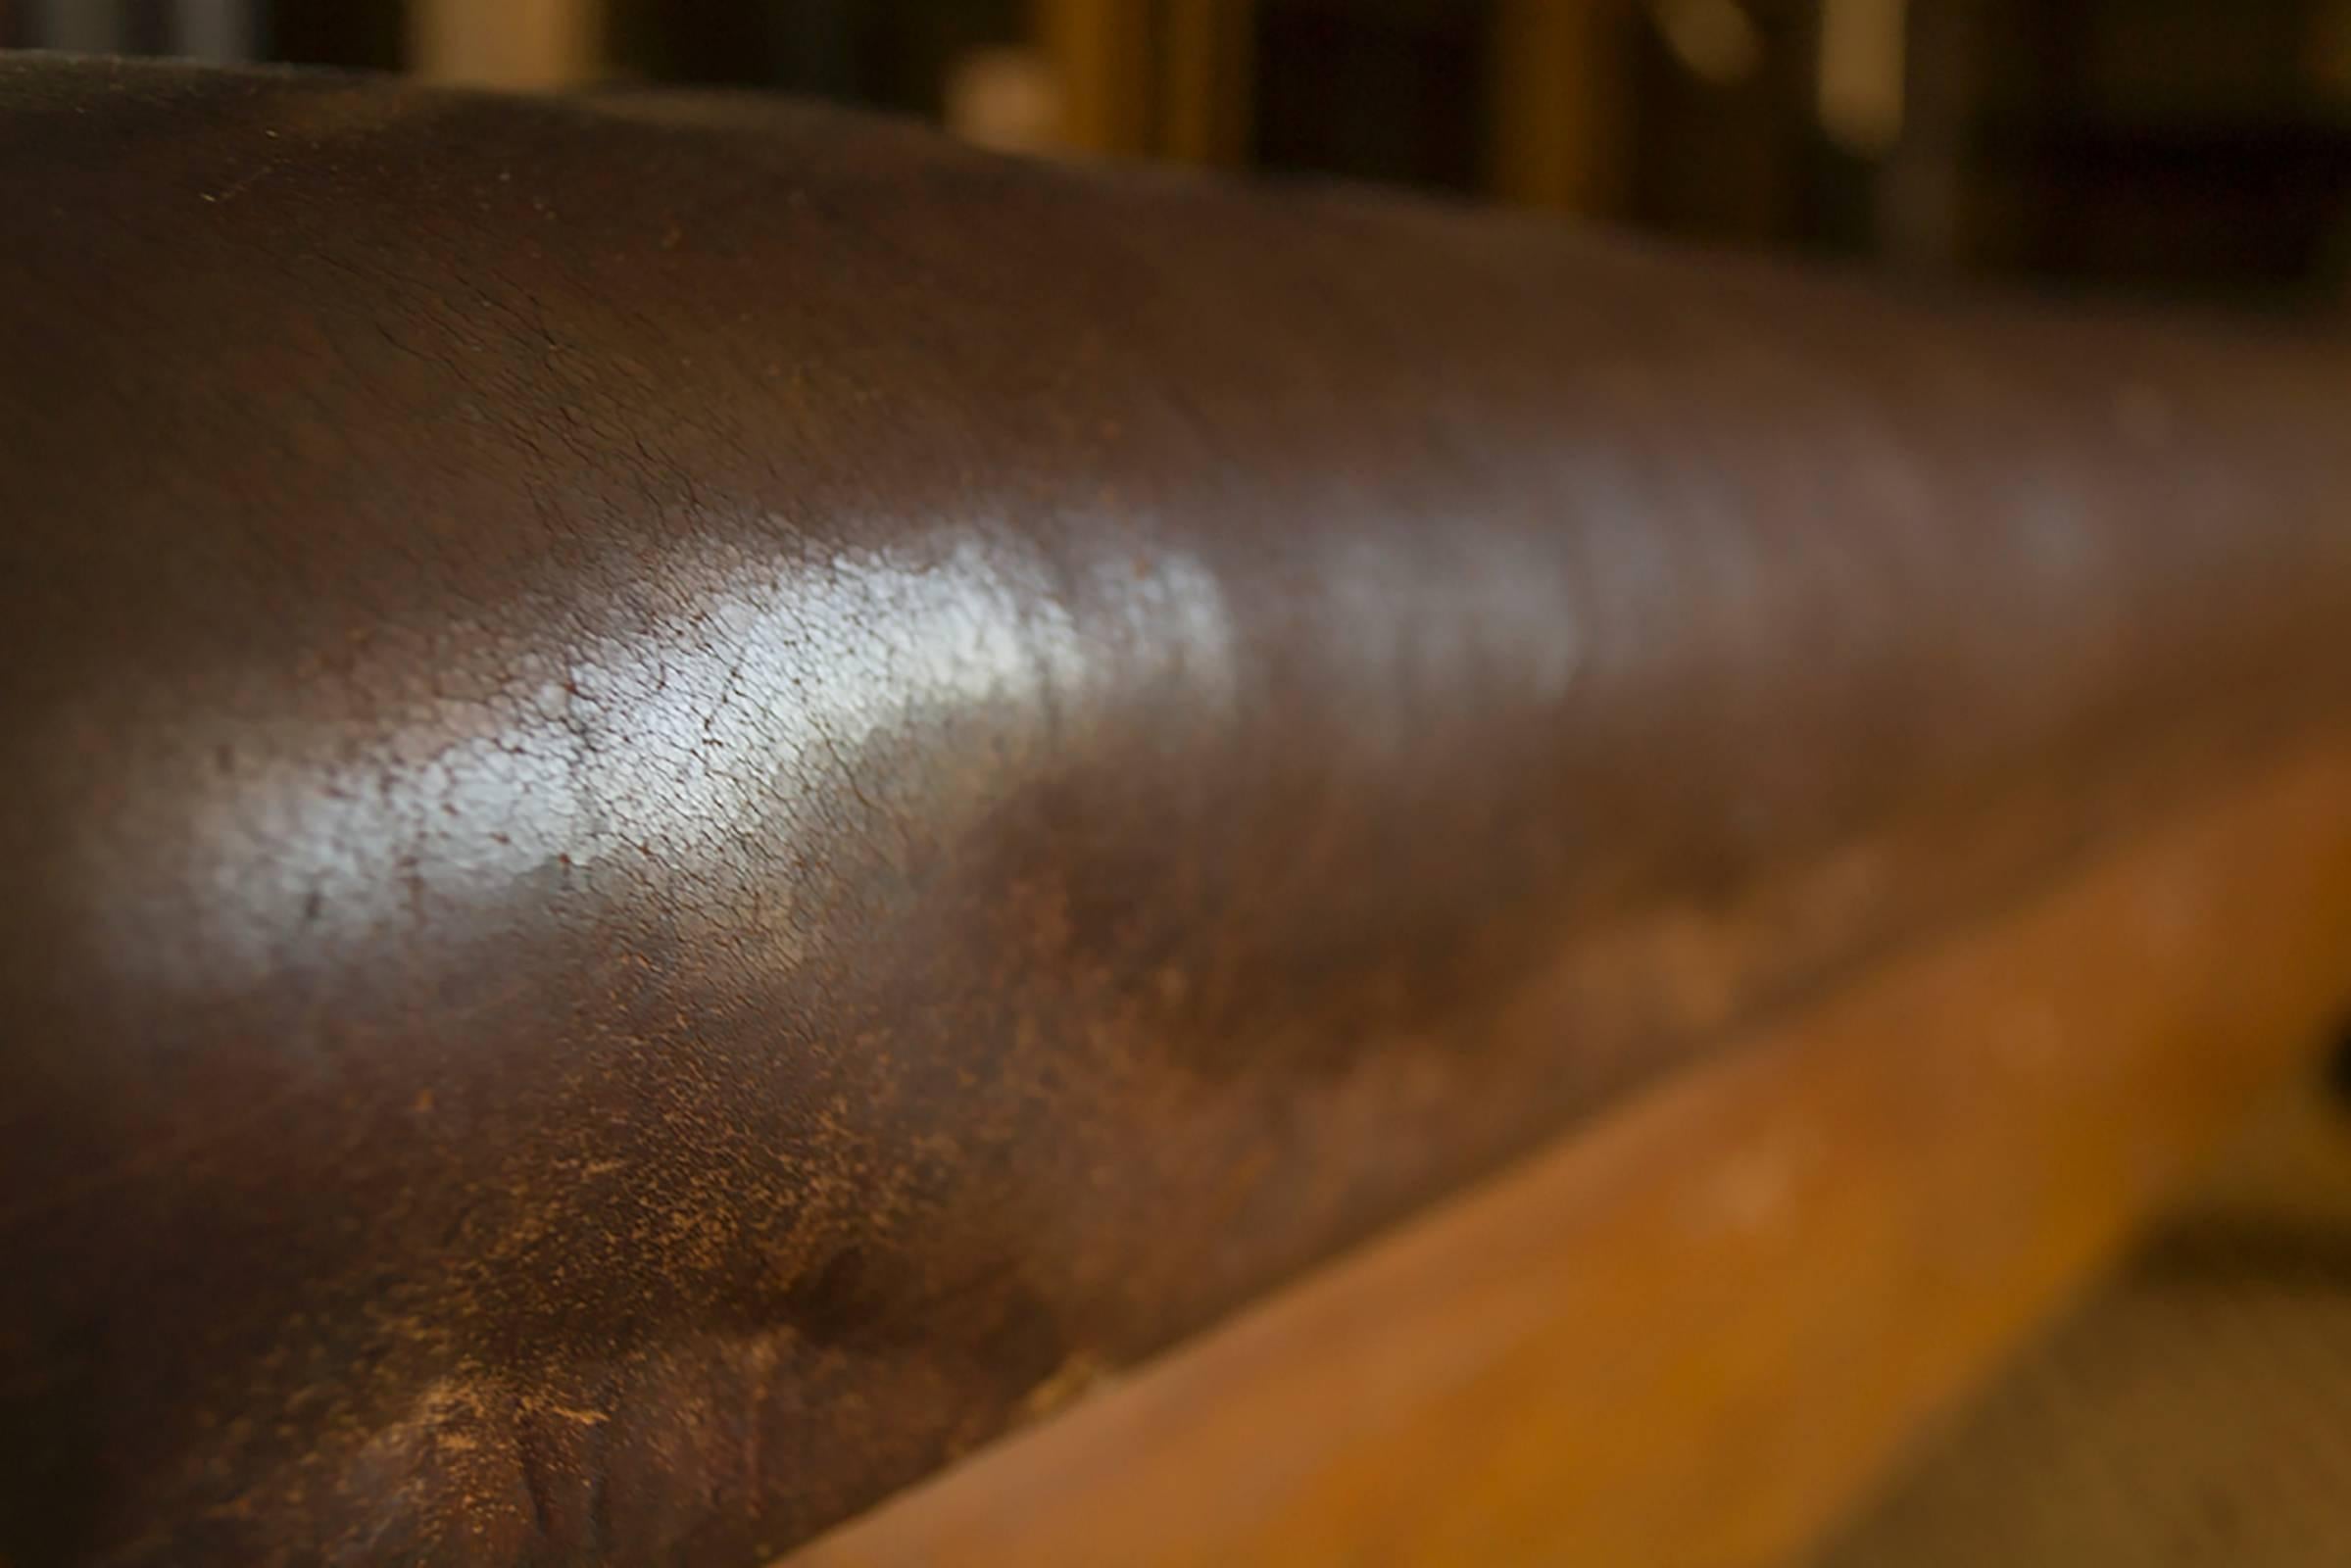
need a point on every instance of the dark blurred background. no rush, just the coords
(2197, 149)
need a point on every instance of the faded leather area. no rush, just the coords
(696, 808)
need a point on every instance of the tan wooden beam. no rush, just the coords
(1207, 80)
(1101, 55)
(505, 43)
(1559, 129)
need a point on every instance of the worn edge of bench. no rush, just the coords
(1695, 1330)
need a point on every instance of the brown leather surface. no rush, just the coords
(698, 801)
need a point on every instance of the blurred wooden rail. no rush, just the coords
(1691, 1335)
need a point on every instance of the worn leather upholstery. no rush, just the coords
(699, 801)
